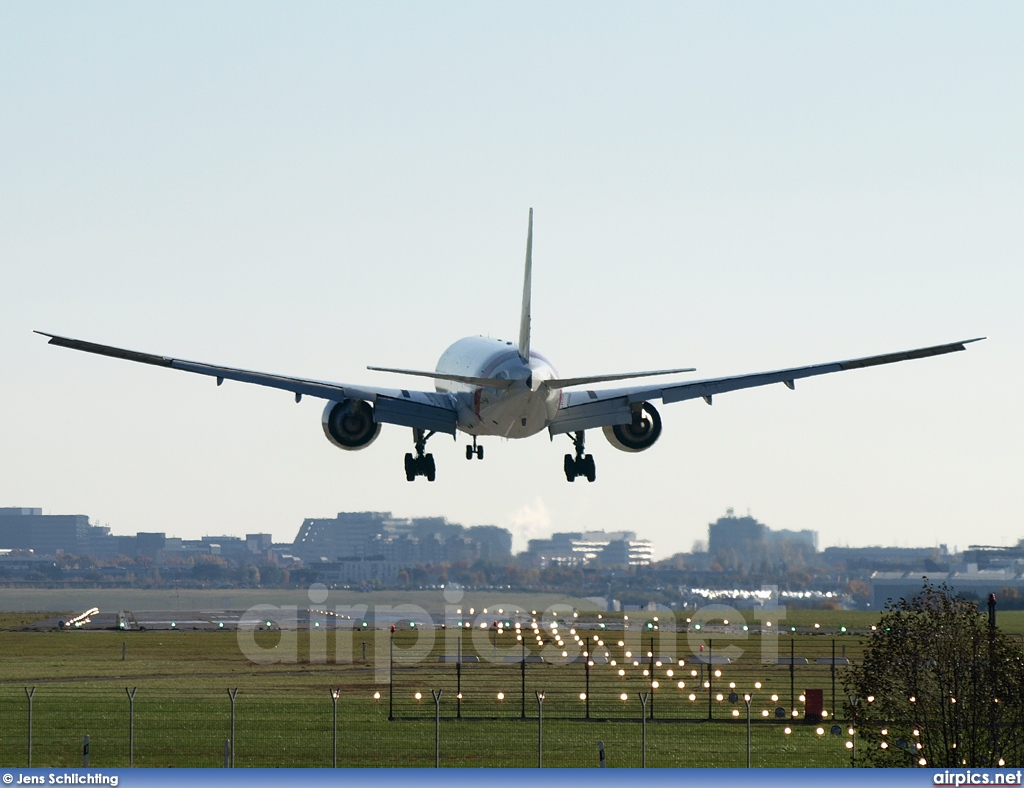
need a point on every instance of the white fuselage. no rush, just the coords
(519, 411)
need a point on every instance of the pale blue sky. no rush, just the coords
(311, 188)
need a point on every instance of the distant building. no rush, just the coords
(586, 548)
(970, 581)
(890, 559)
(48, 534)
(736, 542)
(403, 541)
(358, 571)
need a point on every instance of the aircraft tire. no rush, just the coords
(589, 468)
(469, 452)
(479, 452)
(410, 468)
(570, 468)
(429, 470)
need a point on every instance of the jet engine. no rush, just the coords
(349, 425)
(639, 434)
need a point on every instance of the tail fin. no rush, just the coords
(524, 317)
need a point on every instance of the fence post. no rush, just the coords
(227, 752)
(711, 673)
(643, 728)
(391, 675)
(834, 679)
(334, 726)
(85, 751)
(131, 725)
(747, 698)
(437, 727)
(651, 653)
(600, 753)
(231, 694)
(586, 688)
(540, 728)
(522, 680)
(792, 676)
(28, 694)
(458, 680)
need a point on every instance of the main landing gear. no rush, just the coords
(580, 465)
(422, 464)
(474, 451)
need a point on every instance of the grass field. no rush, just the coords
(283, 710)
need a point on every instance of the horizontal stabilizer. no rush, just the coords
(494, 383)
(561, 383)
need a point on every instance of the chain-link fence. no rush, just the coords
(640, 708)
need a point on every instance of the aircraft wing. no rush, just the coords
(428, 410)
(606, 407)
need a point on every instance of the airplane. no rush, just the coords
(494, 387)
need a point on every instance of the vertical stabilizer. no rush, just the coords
(524, 317)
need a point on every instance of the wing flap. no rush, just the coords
(591, 415)
(410, 413)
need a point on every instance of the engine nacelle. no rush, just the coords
(349, 425)
(638, 435)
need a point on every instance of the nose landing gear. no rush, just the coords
(580, 465)
(474, 451)
(422, 464)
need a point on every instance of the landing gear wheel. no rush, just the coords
(581, 464)
(474, 451)
(420, 464)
